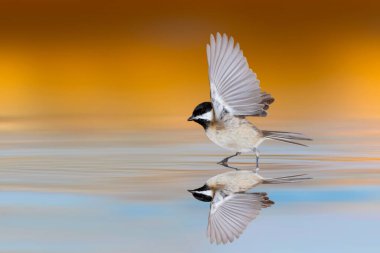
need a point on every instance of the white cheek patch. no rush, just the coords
(207, 193)
(205, 116)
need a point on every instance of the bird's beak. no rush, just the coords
(190, 118)
(191, 191)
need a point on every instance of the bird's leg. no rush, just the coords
(225, 160)
(228, 166)
(257, 159)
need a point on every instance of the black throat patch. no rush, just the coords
(204, 123)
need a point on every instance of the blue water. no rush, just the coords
(115, 193)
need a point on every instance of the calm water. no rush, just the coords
(126, 192)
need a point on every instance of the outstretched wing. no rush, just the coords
(234, 86)
(230, 214)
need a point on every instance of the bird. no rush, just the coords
(232, 208)
(235, 94)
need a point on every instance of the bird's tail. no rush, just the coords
(287, 179)
(288, 137)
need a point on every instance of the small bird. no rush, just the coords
(235, 94)
(232, 208)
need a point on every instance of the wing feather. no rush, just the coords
(230, 215)
(234, 86)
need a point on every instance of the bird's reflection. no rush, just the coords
(232, 207)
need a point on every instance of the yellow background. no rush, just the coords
(119, 65)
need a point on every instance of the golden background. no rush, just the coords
(142, 64)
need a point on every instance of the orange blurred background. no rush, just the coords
(75, 65)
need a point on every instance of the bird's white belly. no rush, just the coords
(235, 181)
(240, 139)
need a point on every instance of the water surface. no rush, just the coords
(126, 192)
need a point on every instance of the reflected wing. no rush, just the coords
(230, 214)
(234, 86)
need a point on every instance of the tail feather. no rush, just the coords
(287, 179)
(298, 175)
(287, 141)
(288, 137)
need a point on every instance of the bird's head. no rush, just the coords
(202, 114)
(203, 193)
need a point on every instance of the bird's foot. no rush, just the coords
(223, 162)
(227, 166)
